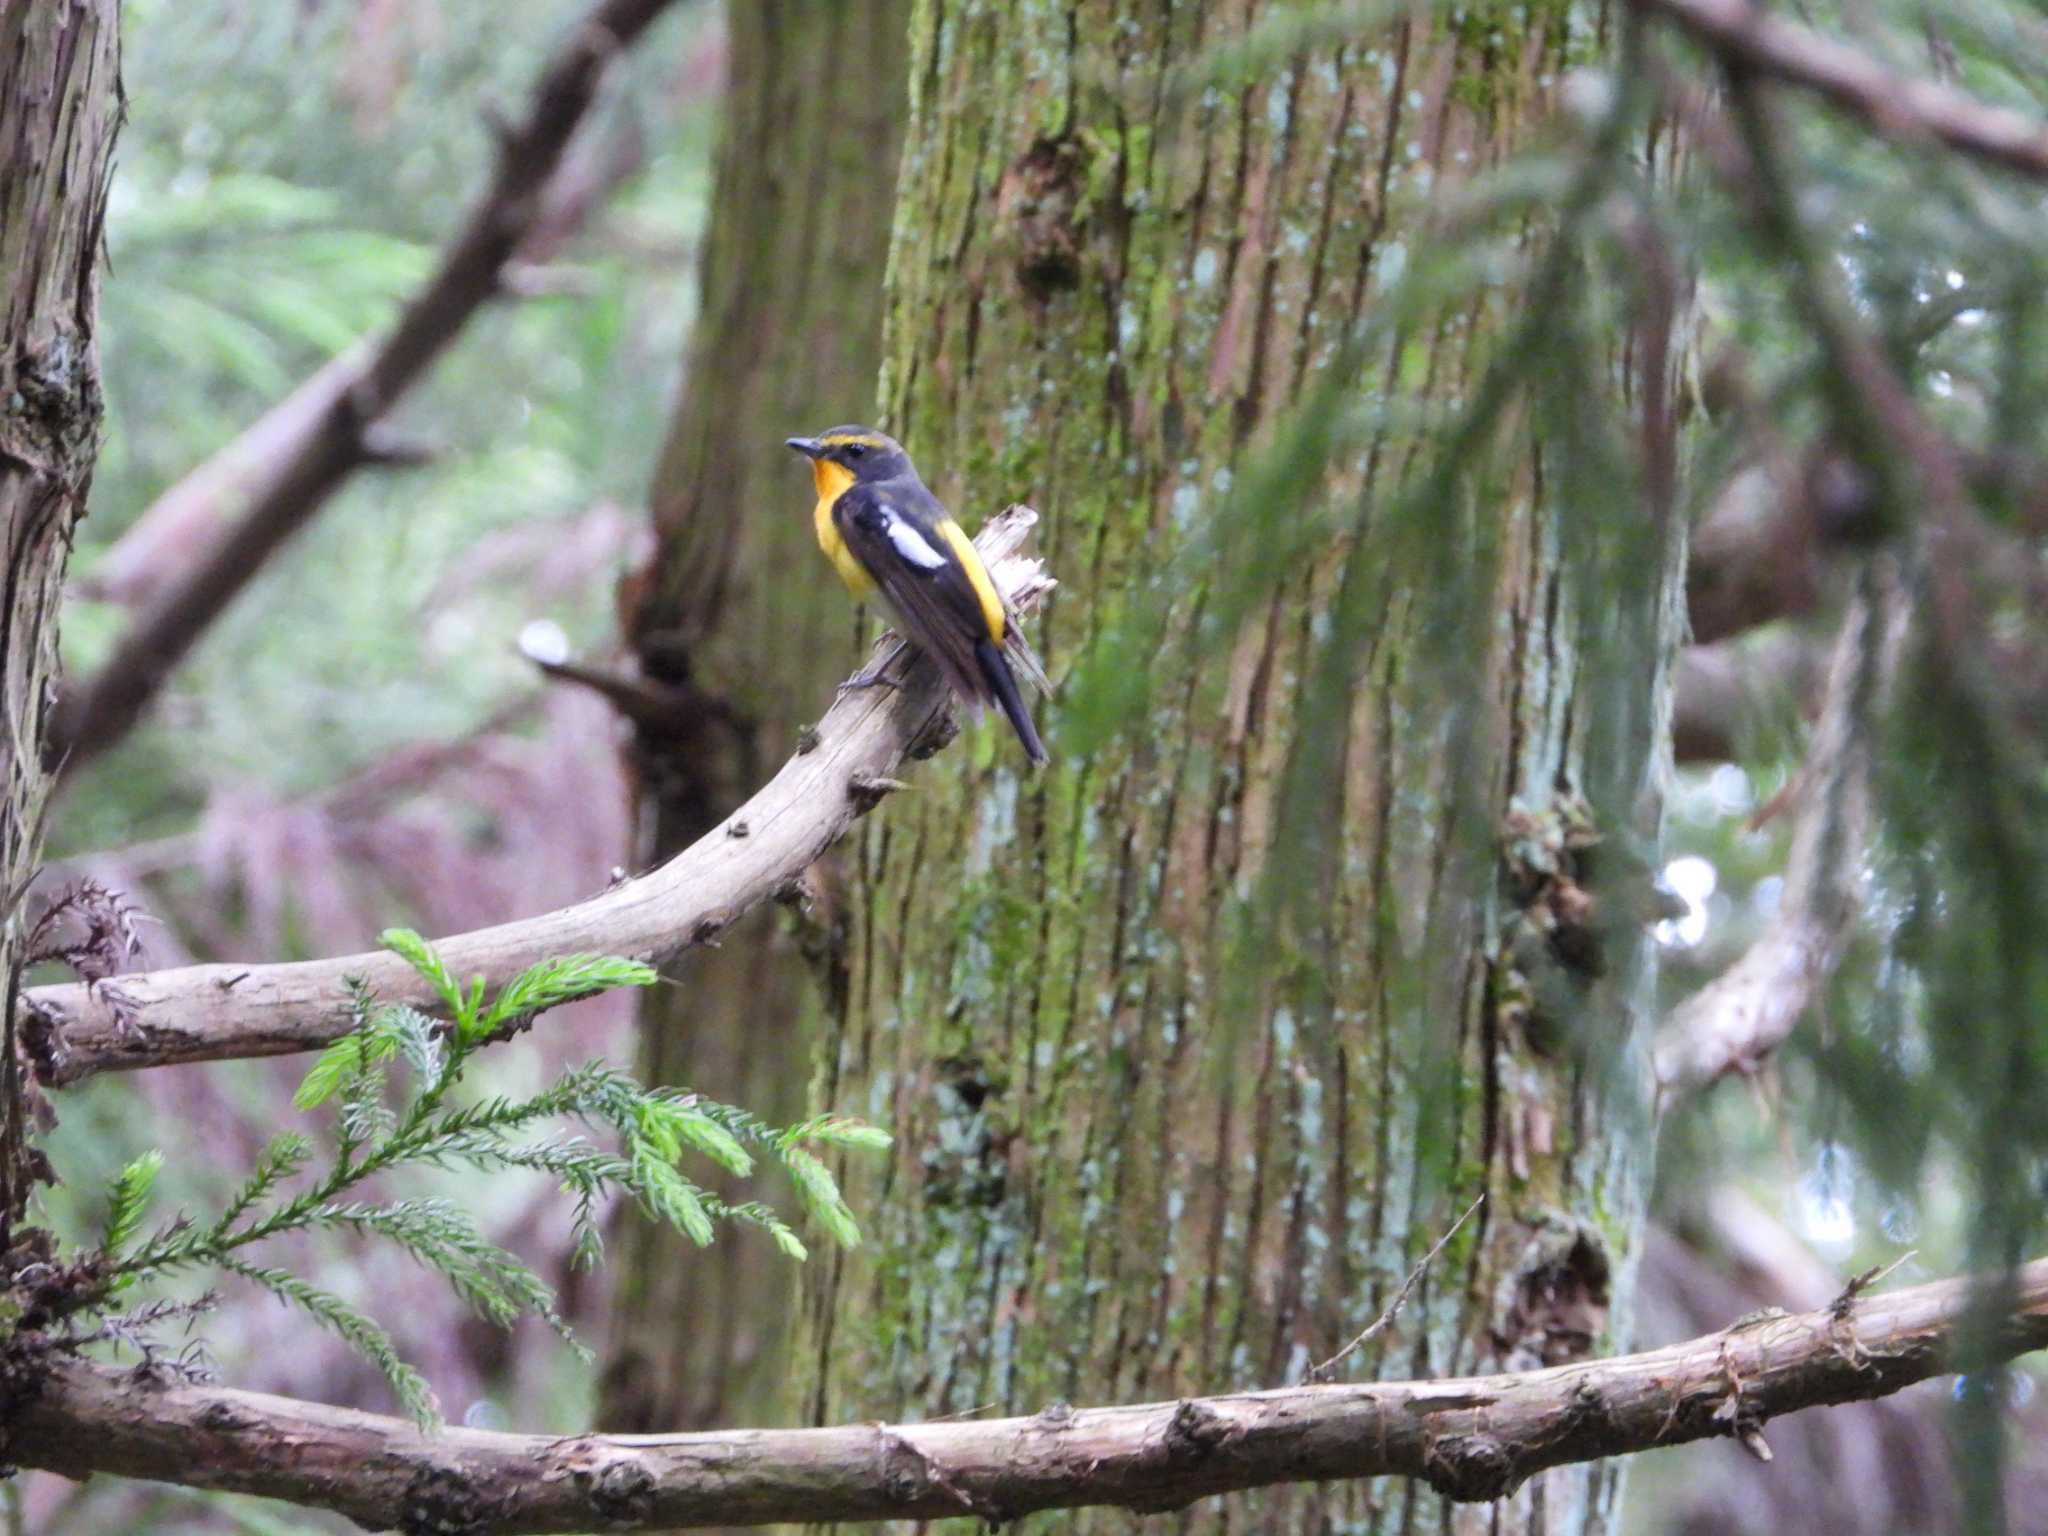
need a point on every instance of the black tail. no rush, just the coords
(996, 673)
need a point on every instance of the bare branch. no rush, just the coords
(1740, 1017)
(327, 423)
(1898, 106)
(219, 1012)
(366, 793)
(161, 545)
(1724, 694)
(1474, 1438)
(1752, 558)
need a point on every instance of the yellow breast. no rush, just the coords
(832, 481)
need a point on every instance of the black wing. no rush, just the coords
(891, 528)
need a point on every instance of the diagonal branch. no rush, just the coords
(348, 402)
(1913, 472)
(1475, 1438)
(1743, 1015)
(1725, 693)
(846, 766)
(174, 532)
(1899, 106)
(360, 798)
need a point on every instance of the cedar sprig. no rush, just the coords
(393, 1083)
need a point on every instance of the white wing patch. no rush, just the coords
(910, 545)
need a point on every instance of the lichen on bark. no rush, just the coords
(1135, 1158)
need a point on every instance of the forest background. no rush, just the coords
(471, 690)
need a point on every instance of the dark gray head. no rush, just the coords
(862, 452)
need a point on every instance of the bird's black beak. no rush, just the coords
(809, 447)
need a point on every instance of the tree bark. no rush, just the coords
(60, 107)
(738, 617)
(1127, 1166)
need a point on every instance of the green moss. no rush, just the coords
(1154, 1153)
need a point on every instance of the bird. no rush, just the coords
(881, 527)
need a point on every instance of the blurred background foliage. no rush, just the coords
(286, 178)
(361, 742)
(1943, 263)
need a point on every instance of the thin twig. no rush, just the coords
(1385, 1320)
(961, 1413)
(1868, 1280)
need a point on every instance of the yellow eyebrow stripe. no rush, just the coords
(977, 575)
(848, 439)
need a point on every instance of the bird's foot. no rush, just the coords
(871, 678)
(872, 675)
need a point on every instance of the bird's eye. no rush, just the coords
(855, 450)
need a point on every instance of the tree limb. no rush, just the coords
(174, 532)
(219, 1012)
(1473, 1438)
(1743, 1015)
(1725, 694)
(346, 401)
(1899, 106)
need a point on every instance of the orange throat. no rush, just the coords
(830, 478)
(832, 481)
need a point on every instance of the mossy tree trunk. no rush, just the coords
(1123, 1170)
(60, 106)
(742, 625)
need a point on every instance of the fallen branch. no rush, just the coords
(334, 418)
(1475, 1438)
(1899, 106)
(219, 1012)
